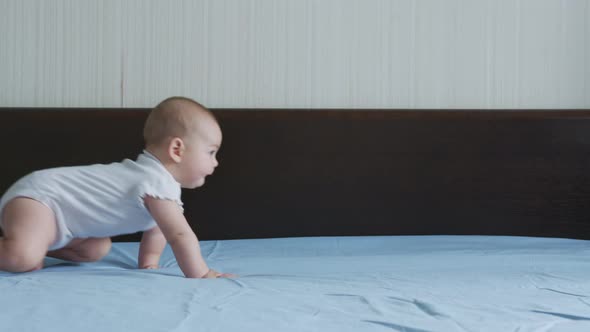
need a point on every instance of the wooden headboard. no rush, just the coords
(348, 172)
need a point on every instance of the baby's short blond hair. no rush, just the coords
(173, 117)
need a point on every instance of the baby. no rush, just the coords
(71, 212)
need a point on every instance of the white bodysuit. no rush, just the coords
(98, 200)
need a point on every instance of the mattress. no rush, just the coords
(374, 283)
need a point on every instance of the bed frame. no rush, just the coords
(348, 172)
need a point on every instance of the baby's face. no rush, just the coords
(200, 157)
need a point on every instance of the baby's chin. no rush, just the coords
(197, 184)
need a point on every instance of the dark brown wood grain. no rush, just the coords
(348, 172)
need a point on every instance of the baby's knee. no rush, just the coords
(95, 249)
(15, 257)
(104, 247)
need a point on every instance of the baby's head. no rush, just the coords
(185, 137)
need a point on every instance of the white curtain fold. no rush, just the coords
(296, 53)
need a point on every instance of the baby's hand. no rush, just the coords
(149, 267)
(214, 274)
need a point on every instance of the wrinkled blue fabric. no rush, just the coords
(381, 283)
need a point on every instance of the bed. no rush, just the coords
(334, 220)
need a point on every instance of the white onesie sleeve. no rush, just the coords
(159, 184)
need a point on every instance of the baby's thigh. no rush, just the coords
(28, 222)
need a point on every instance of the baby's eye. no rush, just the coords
(212, 152)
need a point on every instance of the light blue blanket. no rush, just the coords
(387, 283)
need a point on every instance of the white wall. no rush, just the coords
(296, 53)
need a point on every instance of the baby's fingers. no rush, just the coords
(227, 275)
(149, 267)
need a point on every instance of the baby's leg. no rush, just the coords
(83, 250)
(29, 229)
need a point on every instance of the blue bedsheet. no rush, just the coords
(395, 283)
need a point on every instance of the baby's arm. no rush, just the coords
(151, 247)
(178, 233)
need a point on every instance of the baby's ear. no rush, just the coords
(176, 149)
